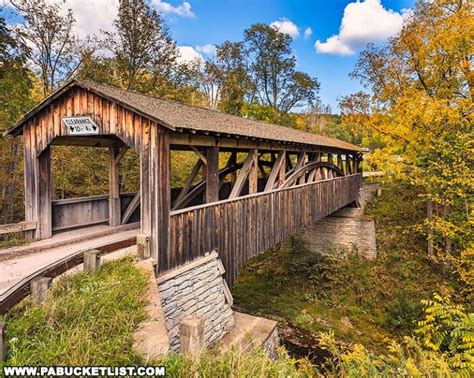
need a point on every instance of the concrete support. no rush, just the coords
(192, 335)
(3, 341)
(143, 246)
(92, 261)
(39, 288)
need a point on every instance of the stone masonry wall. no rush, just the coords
(196, 289)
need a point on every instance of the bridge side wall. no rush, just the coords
(240, 229)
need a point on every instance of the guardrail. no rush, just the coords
(16, 227)
(243, 227)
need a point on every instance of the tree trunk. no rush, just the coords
(429, 212)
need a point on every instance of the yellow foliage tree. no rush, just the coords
(420, 103)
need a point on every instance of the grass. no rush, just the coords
(90, 320)
(12, 240)
(86, 320)
(250, 363)
(361, 301)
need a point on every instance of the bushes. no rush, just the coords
(443, 345)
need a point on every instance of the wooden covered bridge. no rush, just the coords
(275, 180)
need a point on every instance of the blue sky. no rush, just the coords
(215, 21)
(196, 24)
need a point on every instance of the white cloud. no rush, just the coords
(363, 22)
(333, 45)
(286, 26)
(188, 54)
(92, 16)
(181, 10)
(308, 32)
(208, 49)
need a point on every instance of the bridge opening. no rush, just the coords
(95, 181)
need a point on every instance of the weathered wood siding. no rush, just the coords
(86, 211)
(146, 137)
(241, 228)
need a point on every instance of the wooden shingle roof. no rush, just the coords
(175, 115)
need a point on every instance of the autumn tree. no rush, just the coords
(143, 51)
(54, 49)
(420, 103)
(15, 88)
(272, 68)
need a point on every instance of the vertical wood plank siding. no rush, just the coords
(147, 138)
(241, 228)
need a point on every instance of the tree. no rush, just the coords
(235, 80)
(420, 103)
(143, 51)
(15, 88)
(54, 49)
(272, 66)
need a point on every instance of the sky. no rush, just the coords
(327, 34)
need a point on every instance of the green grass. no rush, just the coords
(87, 320)
(361, 301)
(12, 240)
(250, 363)
(90, 320)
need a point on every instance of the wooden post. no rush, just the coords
(45, 213)
(143, 246)
(114, 188)
(39, 288)
(92, 261)
(282, 172)
(155, 189)
(253, 175)
(191, 332)
(339, 162)
(212, 174)
(252, 158)
(3, 341)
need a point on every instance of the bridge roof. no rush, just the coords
(182, 117)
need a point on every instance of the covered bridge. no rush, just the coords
(275, 180)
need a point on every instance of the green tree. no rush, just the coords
(272, 68)
(142, 48)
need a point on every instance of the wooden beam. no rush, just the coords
(212, 174)
(339, 162)
(131, 208)
(123, 150)
(16, 227)
(243, 174)
(114, 188)
(188, 183)
(299, 164)
(44, 218)
(253, 176)
(86, 141)
(199, 154)
(275, 172)
(187, 139)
